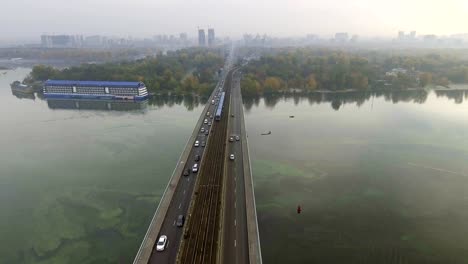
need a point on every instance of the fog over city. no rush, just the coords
(28, 19)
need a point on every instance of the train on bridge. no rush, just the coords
(219, 109)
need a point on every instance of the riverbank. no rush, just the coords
(454, 87)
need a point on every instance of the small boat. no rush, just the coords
(18, 87)
(21, 95)
(265, 134)
(291, 116)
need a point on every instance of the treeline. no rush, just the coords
(310, 69)
(188, 71)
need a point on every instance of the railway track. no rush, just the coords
(202, 227)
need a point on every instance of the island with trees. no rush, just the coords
(317, 69)
(187, 71)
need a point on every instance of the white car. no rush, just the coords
(162, 242)
(202, 129)
(231, 157)
(205, 122)
(197, 143)
(195, 167)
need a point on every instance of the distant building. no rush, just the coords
(395, 71)
(183, 37)
(61, 41)
(402, 36)
(430, 38)
(341, 37)
(95, 41)
(201, 38)
(211, 37)
(312, 37)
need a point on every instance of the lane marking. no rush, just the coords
(235, 222)
(184, 191)
(235, 204)
(173, 223)
(235, 243)
(180, 205)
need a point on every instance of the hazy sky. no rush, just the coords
(140, 18)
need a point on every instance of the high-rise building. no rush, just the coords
(401, 35)
(183, 37)
(211, 37)
(341, 37)
(61, 41)
(201, 37)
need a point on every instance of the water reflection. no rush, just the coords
(103, 105)
(190, 102)
(456, 95)
(339, 99)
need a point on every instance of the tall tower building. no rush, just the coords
(211, 37)
(201, 38)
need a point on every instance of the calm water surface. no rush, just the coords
(79, 181)
(380, 178)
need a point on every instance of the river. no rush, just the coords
(380, 177)
(80, 181)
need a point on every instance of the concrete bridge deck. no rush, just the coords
(232, 224)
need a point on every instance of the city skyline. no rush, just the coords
(277, 17)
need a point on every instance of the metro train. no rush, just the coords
(219, 109)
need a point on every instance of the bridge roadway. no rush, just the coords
(239, 237)
(221, 225)
(201, 244)
(177, 196)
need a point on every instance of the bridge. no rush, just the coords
(207, 212)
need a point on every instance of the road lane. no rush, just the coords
(182, 195)
(235, 221)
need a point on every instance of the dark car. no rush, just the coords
(197, 157)
(180, 220)
(187, 172)
(206, 132)
(203, 143)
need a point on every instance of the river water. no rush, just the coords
(80, 181)
(381, 178)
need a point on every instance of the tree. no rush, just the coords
(311, 83)
(272, 84)
(425, 79)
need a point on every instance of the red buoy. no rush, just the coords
(299, 209)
